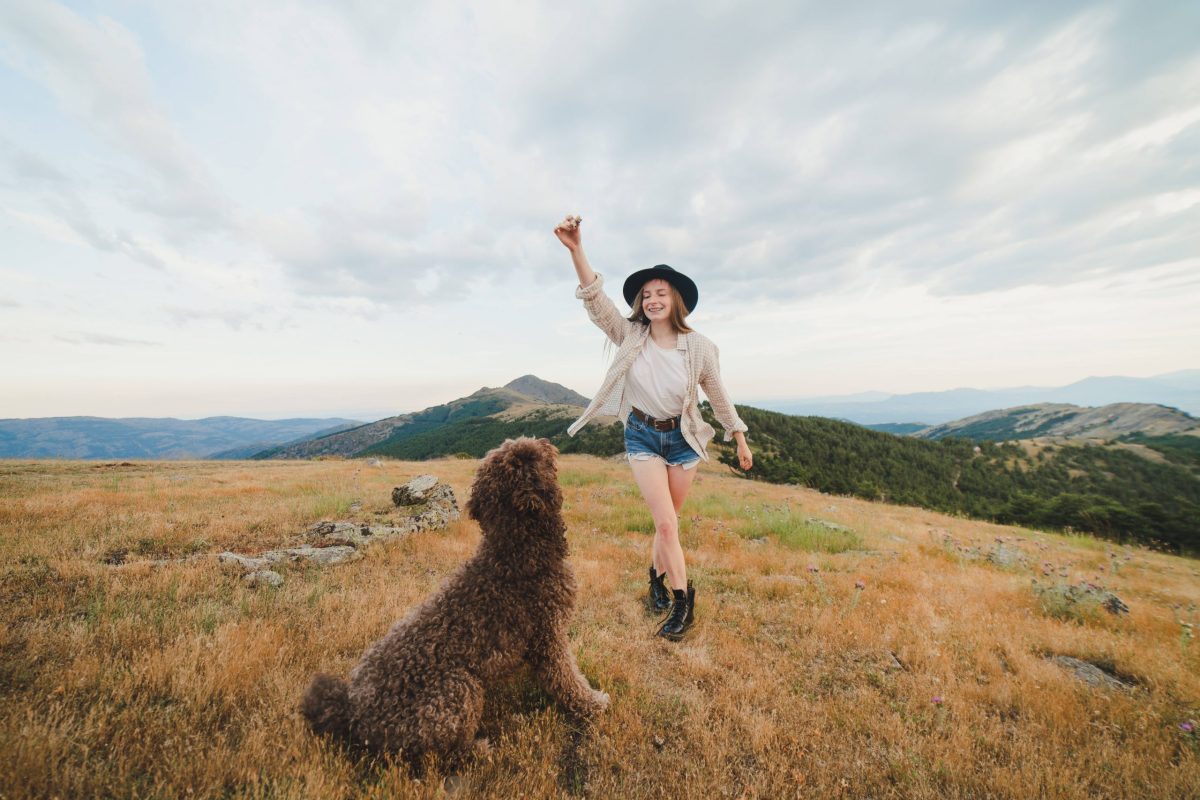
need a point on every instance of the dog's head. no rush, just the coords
(518, 477)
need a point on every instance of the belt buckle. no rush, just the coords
(670, 424)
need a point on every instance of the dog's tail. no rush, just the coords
(326, 706)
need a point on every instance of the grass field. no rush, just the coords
(122, 677)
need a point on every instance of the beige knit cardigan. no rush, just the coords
(703, 368)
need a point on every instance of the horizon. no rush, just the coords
(212, 211)
(378, 414)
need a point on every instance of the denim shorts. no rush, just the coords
(642, 441)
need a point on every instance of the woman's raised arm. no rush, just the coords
(601, 310)
(568, 233)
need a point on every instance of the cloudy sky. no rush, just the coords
(281, 209)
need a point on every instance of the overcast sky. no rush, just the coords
(283, 209)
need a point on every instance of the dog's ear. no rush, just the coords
(494, 483)
(484, 499)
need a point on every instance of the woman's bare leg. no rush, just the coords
(664, 490)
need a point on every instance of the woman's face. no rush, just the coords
(656, 299)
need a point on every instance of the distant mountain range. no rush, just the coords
(154, 437)
(1066, 421)
(1179, 390)
(1128, 470)
(473, 424)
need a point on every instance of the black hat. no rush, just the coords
(687, 289)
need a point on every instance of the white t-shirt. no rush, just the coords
(657, 380)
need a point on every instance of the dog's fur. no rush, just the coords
(419, 690)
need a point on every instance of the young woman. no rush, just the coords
(651, 388)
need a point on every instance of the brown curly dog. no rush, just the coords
(419, 690)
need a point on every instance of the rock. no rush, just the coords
(236, 560)
(415, 491)
(324, 556)
(374, 462)
(1113, 604)
(263, 577)
(1089, 673)
(329, 533)
(424, 503)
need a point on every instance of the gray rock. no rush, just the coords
(1089, 673)
(239, 561)
(323, 556)
(1113, 604)
(328, 533)
(263, 577)
(834, 526)
(425, 504)
(415, 491)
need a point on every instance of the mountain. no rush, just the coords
(545, 391)
(1180, 390)
(1182, 379)
(1066, 420)
(472, 425)
(152, 437)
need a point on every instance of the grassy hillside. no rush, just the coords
(1178, 449)
(1109, 491)
(932, 680)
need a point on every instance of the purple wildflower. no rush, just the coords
(1188, 726)
(812, 568)
(860, 584)
(937, 700)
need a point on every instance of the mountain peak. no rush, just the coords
(546, 391)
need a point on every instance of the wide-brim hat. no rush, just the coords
(685, 285)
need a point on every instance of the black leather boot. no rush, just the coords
(681, 616)
(660, 597)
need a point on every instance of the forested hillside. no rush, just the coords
(1109, 491)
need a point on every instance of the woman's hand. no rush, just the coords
(744, 456)
(568, 232)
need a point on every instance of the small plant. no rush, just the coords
(1191, 736)
(1186, 626)
(859, 586)
(815, 572)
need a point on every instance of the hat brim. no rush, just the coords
(685, 285)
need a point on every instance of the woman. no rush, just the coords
(651, 388)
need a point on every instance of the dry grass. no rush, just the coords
(176, 681)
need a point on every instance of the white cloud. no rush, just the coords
(306, 183)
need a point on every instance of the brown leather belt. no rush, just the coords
(667, 424)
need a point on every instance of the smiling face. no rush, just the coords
(656, 299)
